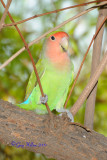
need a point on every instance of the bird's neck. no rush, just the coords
(59, 61)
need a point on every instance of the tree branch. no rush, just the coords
(61, 141)
(91, 84)
(90, 104)
(4, 14)
(78, 73)
(55, 11)
(51, 30)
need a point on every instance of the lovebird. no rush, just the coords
(56, 73)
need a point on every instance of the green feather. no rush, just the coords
(33, 80)
(55, 84)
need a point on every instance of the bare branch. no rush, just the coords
(90, 104)
(4, 14)
(51, 30)
(101, 24)
(91, 84)
(60, 141)
(55, 11)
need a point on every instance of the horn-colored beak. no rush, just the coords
(64, 44)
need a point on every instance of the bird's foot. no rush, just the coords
(62, 110)
(44, 99)
(69, 114)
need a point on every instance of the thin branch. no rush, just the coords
(51, 30)
(101, 25)
(55, 11)
(4, 14)
(92, 82)
(90, 104)
(33, 63)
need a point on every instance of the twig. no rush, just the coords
(51, 30)
(4, 14)
(33, 63)
(55, 11)
(90, 85)
(65, 105)
(90, 104)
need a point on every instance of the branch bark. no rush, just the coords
(90, 86)
(61, 141)
(90, 104)
(4, 14)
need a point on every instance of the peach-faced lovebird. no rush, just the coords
(56, 74)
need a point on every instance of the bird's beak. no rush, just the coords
(64, 44)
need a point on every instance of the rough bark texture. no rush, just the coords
(61, 140)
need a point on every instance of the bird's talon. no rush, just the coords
(44, 99)
(69, 114)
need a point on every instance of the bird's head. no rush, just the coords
(57, 45)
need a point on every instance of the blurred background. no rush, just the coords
(14, 77)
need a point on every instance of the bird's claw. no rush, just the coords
(44, 99)
(69, 114)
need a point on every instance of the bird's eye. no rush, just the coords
(53, 38)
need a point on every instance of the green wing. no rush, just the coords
(72, 68)
(33, 80)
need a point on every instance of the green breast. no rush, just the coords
(55, 84)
